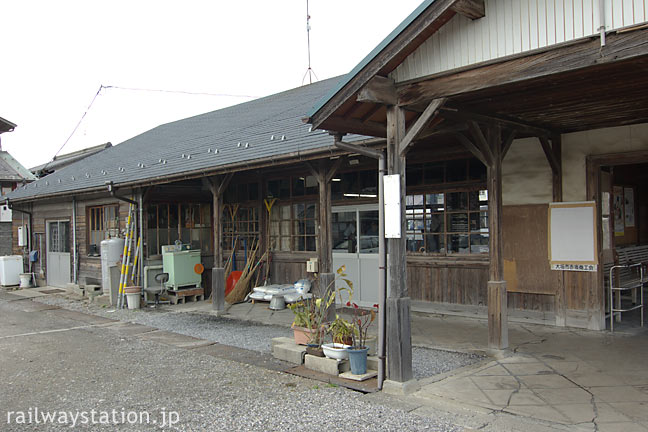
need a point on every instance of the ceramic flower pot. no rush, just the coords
(358, 360)
(335, 351)
(302, 335)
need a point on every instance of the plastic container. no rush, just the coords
(25, 280)
(133, 296)
(10, 269)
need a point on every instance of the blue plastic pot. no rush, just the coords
(358, 360)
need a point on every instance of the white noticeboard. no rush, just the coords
(572, 236)
(391, 185)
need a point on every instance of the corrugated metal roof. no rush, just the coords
(204, 142)
(12, 170)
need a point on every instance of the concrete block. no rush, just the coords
(74, 289)
(282, 341)
(102, 300)
(289, 353)
(372, 363)
(363, 377)
(401, 388)
(92, 291)
(326, 365)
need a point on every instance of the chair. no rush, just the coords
(161, 278)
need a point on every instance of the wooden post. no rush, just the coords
(561, 294)
(399, 337)
(497, 299)
(217, 186)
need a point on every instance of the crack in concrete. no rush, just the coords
(593, 421)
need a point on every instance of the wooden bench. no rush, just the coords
(628, 275)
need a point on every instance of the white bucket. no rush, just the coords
(25, 280)
(133, 300)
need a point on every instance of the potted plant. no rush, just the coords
(341, 332)
(362, 320)
(308, 327)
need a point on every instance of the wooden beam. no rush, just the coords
(473, 9)
(579, 55)
(356, 126)
(481, 143)
(421, 123)
(463, 115)
(471, 147)
(334, 168)
(426, 24)
(508, 142)
(380, 90)
(551, 157)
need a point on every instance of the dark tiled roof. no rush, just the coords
(12, 170)
(207, 142)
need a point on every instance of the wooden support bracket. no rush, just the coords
(507, 142)
(463, 139)
(473, 9)
(549, 153)
(462, 115)
(380, 90)
(481, 143)
(421, 123)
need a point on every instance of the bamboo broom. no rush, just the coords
(242, 287)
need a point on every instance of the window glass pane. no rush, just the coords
(456, 170)
(273, 188)
(311, 243)
(284, 189)
(435, 223)
(456, 201)
(241, 192)
(152, 242)
(369, 184)
(415, 243)
(64, 233)
(299, 186)
(311, 186)
(479, 221)
(478, 243)
(369, 231)
(458, 222)
(458, 243)
(343, 225)
(151, 217)
(173, 216)
(434, 243)
(253, 191)
(285, 244)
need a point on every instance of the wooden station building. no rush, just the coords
(488, 110)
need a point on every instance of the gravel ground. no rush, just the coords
(97, 369)
(425, 362)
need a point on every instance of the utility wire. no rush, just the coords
(101, 87)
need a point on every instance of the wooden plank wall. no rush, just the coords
(512, 27)
(441, 282)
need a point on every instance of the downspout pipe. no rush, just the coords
(141, 234)
(382, 250)
(601, 28)
(75, 258)
(113, 193)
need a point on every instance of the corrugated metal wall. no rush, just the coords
(512, 27)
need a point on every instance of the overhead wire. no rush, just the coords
(102, 87)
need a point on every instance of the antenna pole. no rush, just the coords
(309, 71)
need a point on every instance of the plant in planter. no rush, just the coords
(362, 320)
(341, 332)
(310, 314)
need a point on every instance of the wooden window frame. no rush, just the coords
(205, 222)
(92, 218)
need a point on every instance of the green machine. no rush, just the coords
(180, 263)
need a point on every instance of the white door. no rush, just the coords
(58, 253)
(355, 245)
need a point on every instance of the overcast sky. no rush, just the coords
(57, 54)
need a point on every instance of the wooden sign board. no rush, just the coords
(572, 236)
